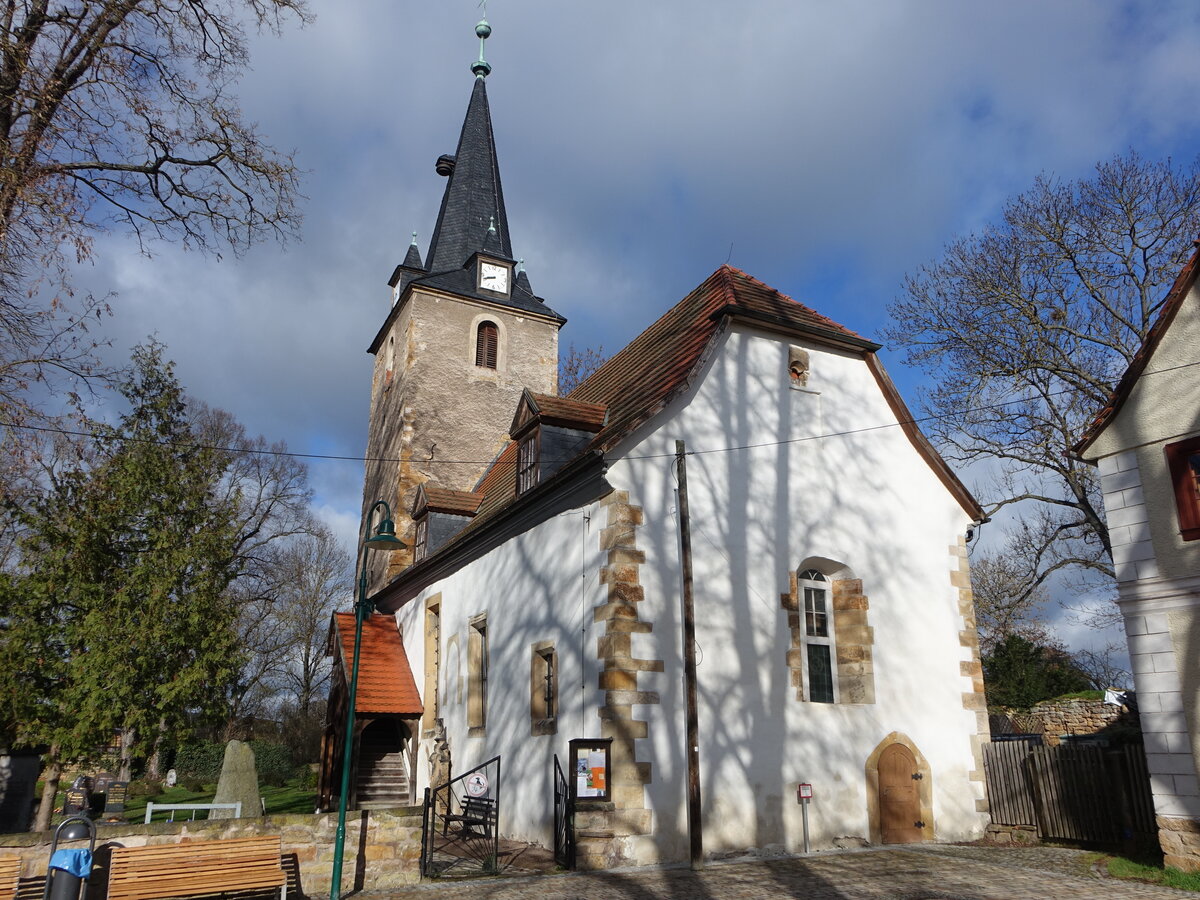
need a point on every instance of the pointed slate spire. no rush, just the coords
(522, 281)
(473, 200)
(412, 259)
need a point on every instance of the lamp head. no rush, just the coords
(385, 537)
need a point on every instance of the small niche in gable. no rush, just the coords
(798, 367)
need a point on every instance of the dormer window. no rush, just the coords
(527, 462)
(487, 342)
(559, 426)
(421, 544)
(438, 515)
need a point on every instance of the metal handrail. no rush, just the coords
(151, 807)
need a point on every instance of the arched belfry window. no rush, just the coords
(487, 340)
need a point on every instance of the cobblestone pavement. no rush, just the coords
(940, 872)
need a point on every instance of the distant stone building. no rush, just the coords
(1146, 442)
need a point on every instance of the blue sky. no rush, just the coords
(833, 146)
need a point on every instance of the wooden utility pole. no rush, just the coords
(695, 834)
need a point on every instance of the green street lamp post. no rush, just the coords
(383, 539)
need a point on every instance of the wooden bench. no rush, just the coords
(476, 812)
(10, 873)
(196, 867)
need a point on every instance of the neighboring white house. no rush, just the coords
(835, 628)
(1147, 445)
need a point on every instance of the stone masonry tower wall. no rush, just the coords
(436, 416)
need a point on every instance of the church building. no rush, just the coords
(538, 602)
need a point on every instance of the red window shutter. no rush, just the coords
(1183, 462)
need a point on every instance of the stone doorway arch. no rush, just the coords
(898, 756)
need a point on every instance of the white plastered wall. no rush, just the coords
(865, 499)
(540, 586)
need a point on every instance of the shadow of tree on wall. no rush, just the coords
(777, 476)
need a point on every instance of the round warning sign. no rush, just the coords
(477, 784)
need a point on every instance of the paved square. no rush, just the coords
(912, 873)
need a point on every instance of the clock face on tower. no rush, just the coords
(493, 277)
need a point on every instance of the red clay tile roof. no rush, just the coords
(1170, 308)
(437, 499)
(637, 382)
(560, 410)
(385, 680)
(499, 483)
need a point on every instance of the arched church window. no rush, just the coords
(818, 637)
(487, 340)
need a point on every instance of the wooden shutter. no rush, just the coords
(486, 341)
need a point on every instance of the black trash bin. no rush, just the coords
(69, 869)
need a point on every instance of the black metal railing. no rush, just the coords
(564, 824)
(460, 833)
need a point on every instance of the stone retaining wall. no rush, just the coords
(1022, 835)
(1054, 718)
(387, 855)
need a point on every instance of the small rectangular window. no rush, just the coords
(527, 463)
(487, 340)
(543, 689)
(433, 635)
(477, 660)
(820, 674)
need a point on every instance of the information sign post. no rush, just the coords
(803, 795)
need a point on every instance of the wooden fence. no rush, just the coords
(1071, 792)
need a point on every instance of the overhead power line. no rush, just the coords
(49, 429)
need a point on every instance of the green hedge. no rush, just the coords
(273, 762)
(201, 762)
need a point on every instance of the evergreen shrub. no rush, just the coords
(200, 761)
(273, 762)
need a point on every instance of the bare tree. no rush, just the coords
(1025, 328)
(119, 114)
(1005, 603)
(319, 577)
(283, 629)
(269, 489)
(1102, 668)
(577, 365)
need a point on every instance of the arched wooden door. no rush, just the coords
(899, 796)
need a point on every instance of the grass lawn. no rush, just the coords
(289, 799)
(1132, 870)
(286, 800)
(1152, 873)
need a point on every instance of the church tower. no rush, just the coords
(464, 336)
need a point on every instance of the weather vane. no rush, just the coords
(481, 67)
